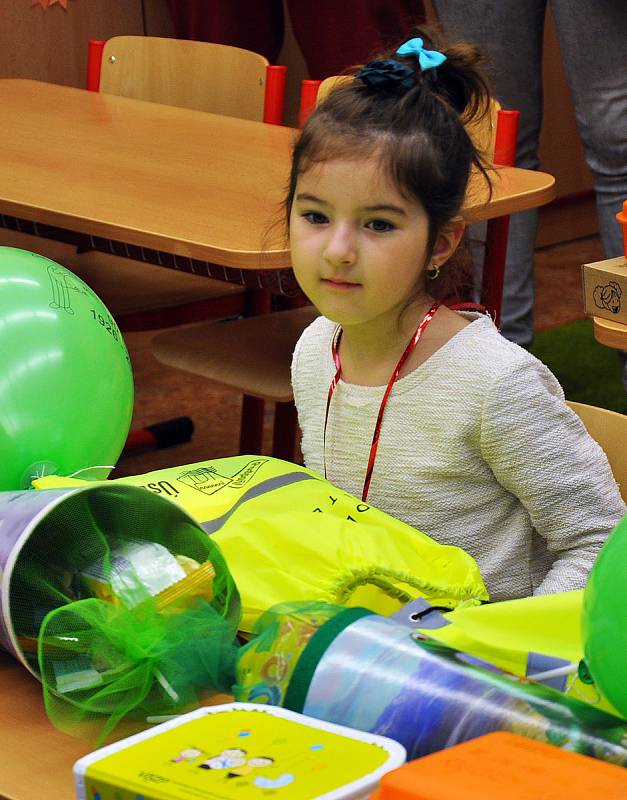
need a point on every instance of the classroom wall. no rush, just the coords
(51, 45)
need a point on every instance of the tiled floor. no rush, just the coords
(162, 392)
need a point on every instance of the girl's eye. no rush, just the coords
(315, 218)
(380, 226)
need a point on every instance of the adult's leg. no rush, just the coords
(593, 41)
(255, 25)
(335, 35)
(510, 32)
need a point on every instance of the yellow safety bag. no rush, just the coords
(287, 534)
(533, 636)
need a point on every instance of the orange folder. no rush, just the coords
(504, 765)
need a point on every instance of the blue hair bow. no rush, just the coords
(428, 59)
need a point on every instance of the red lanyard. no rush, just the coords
(377, 428)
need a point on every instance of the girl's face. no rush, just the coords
(358, 247)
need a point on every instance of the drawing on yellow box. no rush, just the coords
(209, 481)
(228, 759)
(249, 766)
(234, 762)
(245, 752)
(190, 754)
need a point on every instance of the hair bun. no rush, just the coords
(387, 74)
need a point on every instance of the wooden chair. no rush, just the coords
(254, 355)
(609, 429)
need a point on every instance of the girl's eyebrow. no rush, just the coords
(311, 198)
(386, 207)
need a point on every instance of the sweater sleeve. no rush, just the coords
(305, 368)
(297, 373)
(540, 451)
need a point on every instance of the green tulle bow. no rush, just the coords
(102, 663)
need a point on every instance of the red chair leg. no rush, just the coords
(274, 102)
(498, 229)
(94, 61)
(258, 301)
(285, 431)
(506, 136)
(308, 96)
(251, 430)
(155, 437)
(494, 267)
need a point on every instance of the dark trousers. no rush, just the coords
(332, 35)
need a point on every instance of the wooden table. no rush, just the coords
(36, 759)
(201, 187)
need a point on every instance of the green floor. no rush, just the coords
(588, 371)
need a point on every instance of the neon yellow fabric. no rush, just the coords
(505, 633)
(205, 489)
(289, 535)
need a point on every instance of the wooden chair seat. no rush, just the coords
(251, 355)
(609, 429)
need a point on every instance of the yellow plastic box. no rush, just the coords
(239, 750)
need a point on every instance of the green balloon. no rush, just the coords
(604, 619)
(66, 386)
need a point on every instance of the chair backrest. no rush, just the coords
(329, 84)
(609, 429)
(482, 132)
(197, 75)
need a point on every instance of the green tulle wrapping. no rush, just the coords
(101, 664)
(126, 609)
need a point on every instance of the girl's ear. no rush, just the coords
(447, 241)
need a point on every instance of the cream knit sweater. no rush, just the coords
(477, 449)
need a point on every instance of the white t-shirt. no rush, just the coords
(477, 449)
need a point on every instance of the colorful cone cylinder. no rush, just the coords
(377, 675)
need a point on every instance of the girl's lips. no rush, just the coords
(333, 284)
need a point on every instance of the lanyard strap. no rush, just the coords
(377, 428)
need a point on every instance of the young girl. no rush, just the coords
(426, 413)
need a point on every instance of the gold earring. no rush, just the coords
(433, 271)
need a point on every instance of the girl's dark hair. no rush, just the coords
(419, 133)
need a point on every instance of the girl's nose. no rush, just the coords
(341, 247)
